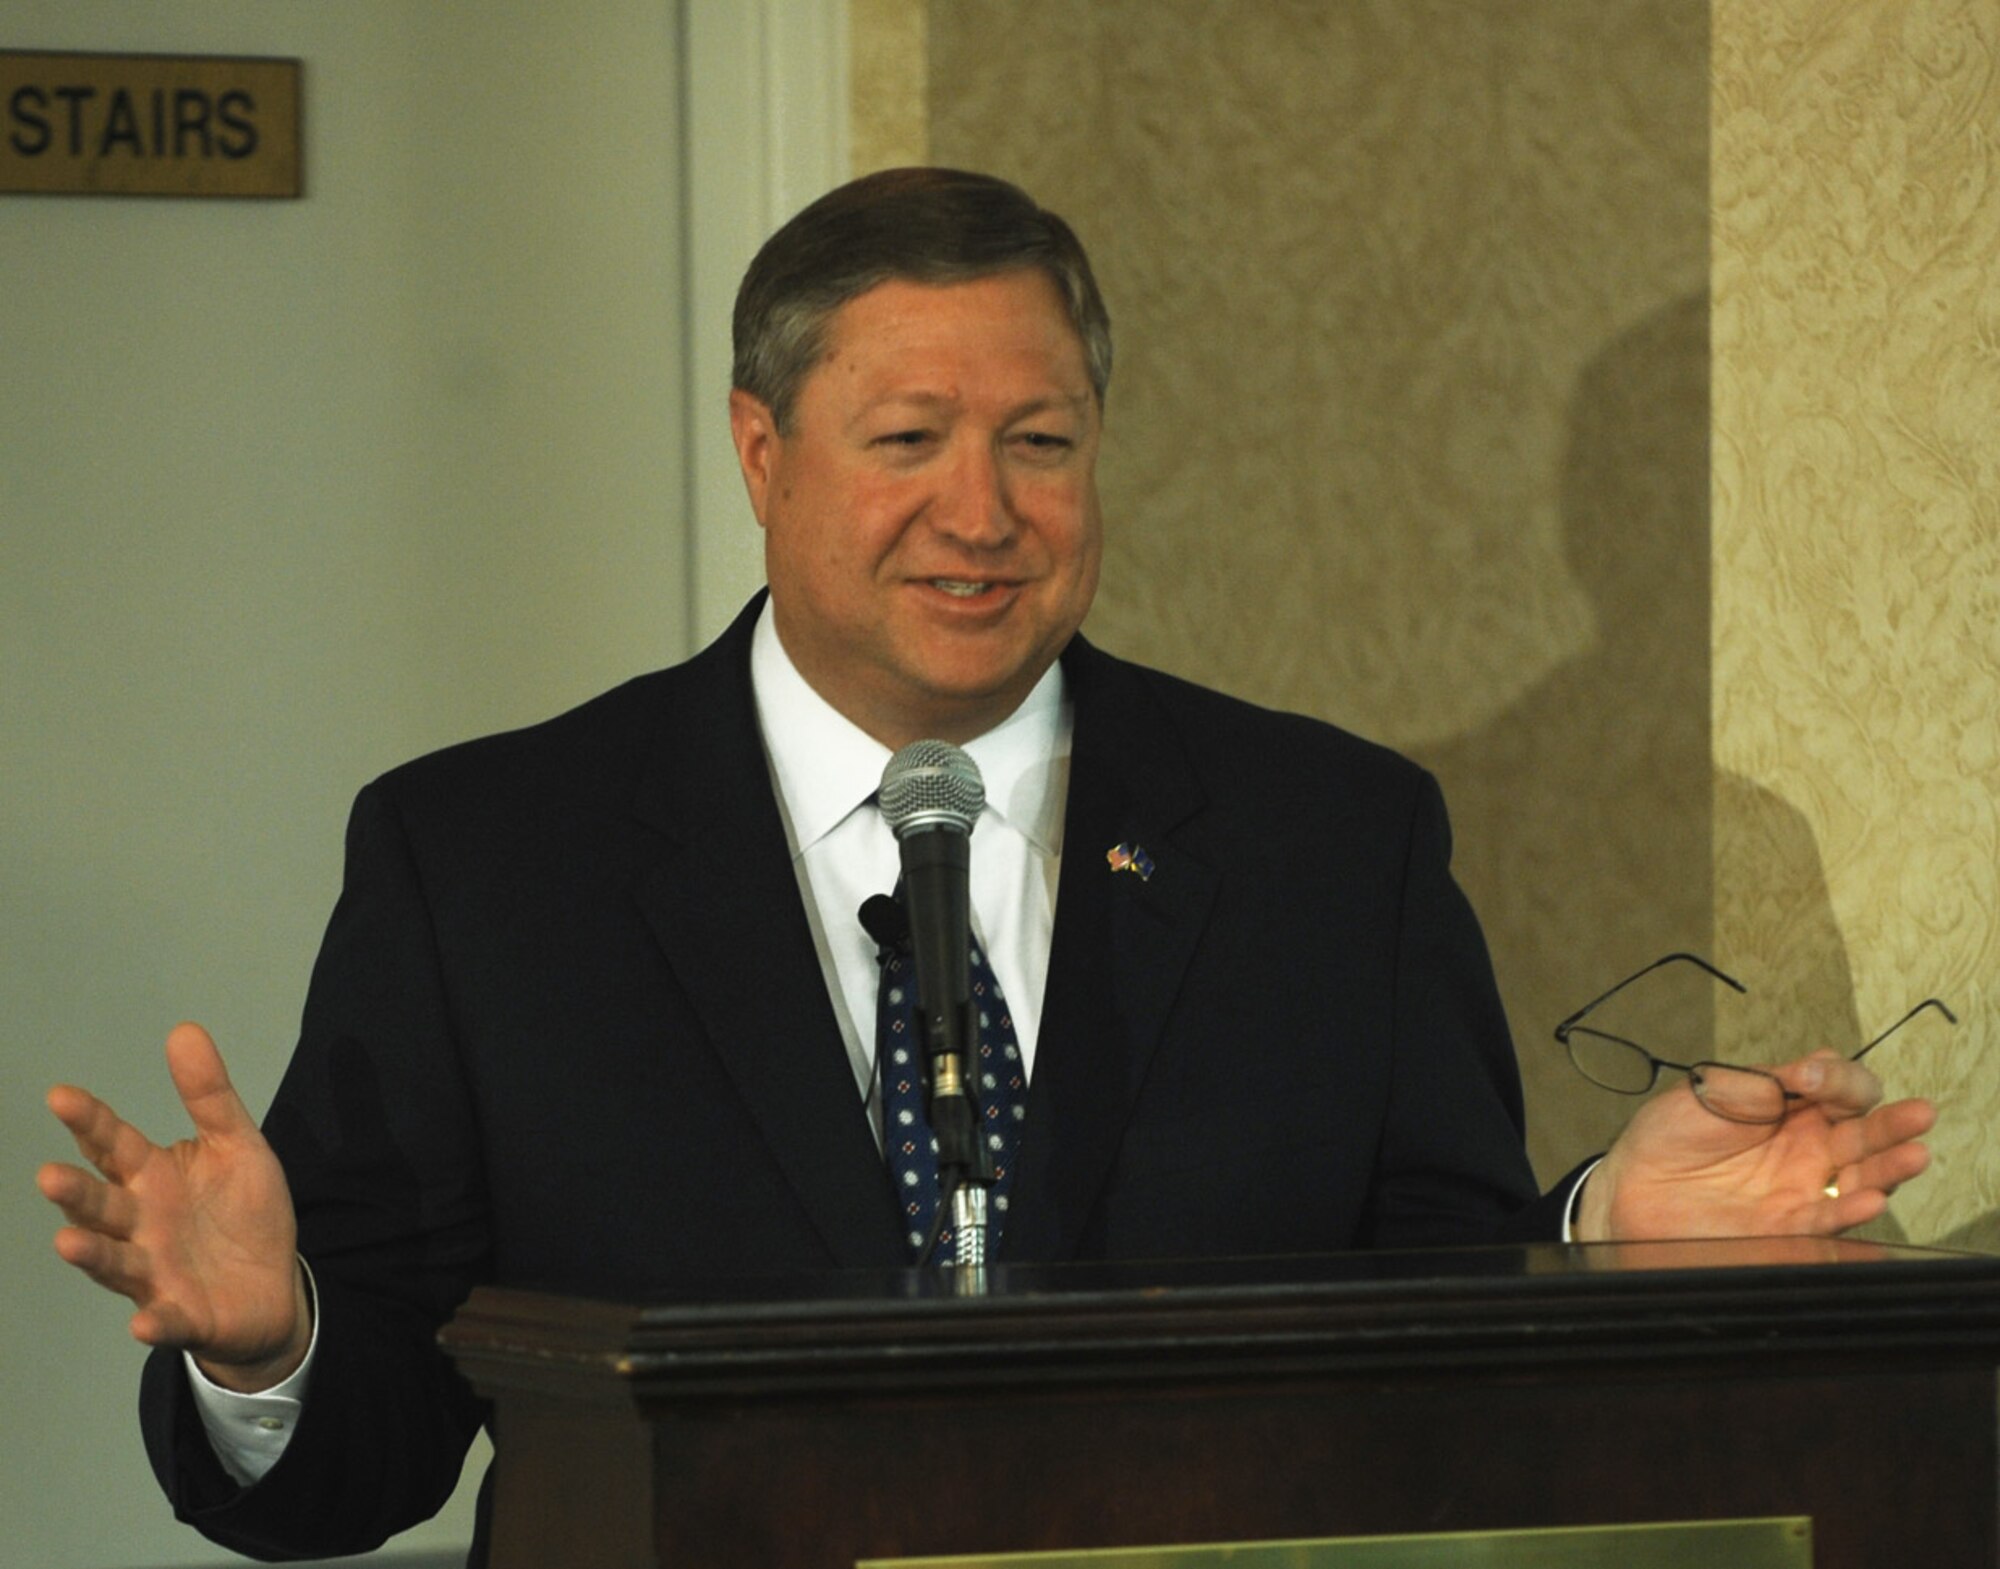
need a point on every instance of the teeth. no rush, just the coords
(958, 587)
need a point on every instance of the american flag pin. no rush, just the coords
(1130, 858)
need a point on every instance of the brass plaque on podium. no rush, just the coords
(1782, 1543)
(148, 125)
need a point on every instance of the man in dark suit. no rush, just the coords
(594, 1013)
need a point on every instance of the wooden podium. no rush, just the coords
(824, 1422)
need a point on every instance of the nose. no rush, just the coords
(972, 505)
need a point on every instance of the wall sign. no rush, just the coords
(148, 125)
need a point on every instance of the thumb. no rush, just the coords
(1840, 1087)
(203, 1084)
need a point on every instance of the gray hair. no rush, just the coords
(934, 226)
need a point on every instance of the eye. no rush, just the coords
(904, 438)
(1043, 446)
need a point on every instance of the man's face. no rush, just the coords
(931, 532)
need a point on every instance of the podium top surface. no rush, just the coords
(1764, 1298)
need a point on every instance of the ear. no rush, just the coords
(758, 444)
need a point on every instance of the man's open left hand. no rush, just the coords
(1678, 1170)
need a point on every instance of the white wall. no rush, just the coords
(290, 492)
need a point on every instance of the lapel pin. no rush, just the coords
(1130, 858)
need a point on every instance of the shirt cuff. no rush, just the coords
(1569, 1209)
(249, 1432)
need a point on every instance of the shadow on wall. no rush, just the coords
(1587, 813)
(1795, 959)
(1980, 1235)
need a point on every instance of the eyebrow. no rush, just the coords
(939, 400)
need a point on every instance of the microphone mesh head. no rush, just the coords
(931, 784)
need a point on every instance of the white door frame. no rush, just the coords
(766, 107)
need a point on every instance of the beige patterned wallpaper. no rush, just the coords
(1857, 541)
(1412, 426)
(890, 49)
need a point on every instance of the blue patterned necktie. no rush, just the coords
(1001, 1088)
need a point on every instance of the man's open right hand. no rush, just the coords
(199, 1233)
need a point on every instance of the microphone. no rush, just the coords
(883, 919)
(931, 796)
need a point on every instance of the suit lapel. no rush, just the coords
(1121, 944)
(724, 905)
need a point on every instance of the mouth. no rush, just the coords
(960, 588)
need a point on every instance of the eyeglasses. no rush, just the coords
(1734, 1093)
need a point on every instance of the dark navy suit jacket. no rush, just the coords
(568, 1030)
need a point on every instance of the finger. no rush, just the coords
(1885, 1128)
(104, 1138)
(203, 1084)
(123, 1268)
(1884, 1172)
(1849, 1210)
(117, 1266)
(1906, 1119)
(1839, 1088)
(162, 1325)
(85, 1201)
(62, 1183)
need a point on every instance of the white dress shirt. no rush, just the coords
(826, 771)
(249, 1432)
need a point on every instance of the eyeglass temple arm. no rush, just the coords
(1563, 1029)
(1928, 1002)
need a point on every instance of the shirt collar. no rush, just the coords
(826, 765)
